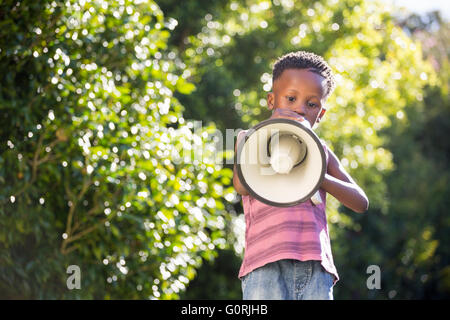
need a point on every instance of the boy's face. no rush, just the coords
(301, 91)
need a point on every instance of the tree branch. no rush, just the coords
(70, 231)
(88, 230)
(86, 184)
(35, 162)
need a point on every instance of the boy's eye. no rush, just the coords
(312, 105)
(291, 99)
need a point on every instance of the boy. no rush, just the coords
(287, 250)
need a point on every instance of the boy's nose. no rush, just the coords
(300, 110)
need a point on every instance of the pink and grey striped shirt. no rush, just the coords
(274, 233)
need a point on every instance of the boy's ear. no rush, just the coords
(321, 114)
(270, 100)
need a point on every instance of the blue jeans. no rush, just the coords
(288, 280)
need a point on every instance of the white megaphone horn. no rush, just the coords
(281, 162)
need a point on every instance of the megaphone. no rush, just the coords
(281, 162)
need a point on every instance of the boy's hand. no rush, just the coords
(236, 182)
(288, 114)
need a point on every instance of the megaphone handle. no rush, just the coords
(316, 198)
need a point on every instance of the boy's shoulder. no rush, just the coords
(323, 142)
(325, 148)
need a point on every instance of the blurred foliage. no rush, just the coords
(97, 164)
(94, 99)
(419, 186)
(216, 279)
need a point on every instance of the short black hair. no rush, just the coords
(305, 60)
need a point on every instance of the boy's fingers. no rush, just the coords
(287, 114)
(287, 117)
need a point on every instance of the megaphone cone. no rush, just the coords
(281, 162)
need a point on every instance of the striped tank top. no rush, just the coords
(299, 232)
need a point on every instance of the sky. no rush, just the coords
(423, 6)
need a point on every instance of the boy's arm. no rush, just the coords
(236, 182)
(340, 185)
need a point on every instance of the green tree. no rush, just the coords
(94, 99)
(98, 167)
(420, 184)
